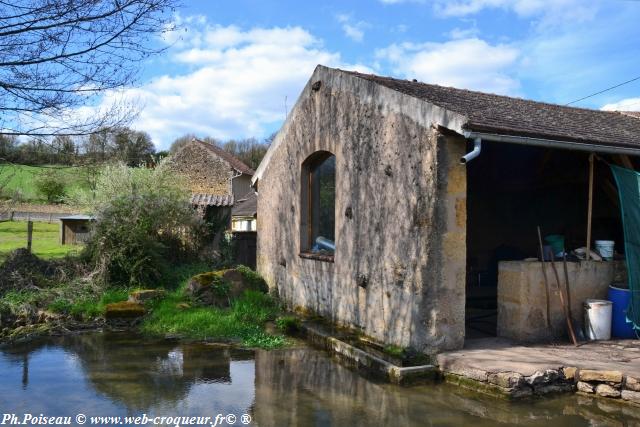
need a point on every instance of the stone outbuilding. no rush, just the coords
(215, 177)
(389, 206)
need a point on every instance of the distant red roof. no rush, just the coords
(235, 163)
(631, 113)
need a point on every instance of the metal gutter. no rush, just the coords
(550, 143)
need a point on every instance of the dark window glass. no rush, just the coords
(322, 204)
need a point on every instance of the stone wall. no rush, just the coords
(522, 306)
(204, 171)
(399, 270)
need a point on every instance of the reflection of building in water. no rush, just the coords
(304, 387)
(139, 374)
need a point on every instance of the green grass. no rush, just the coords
(46, 239)
(242, 322)
(22, 180)
(88, 307)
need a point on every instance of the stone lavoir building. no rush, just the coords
(393, 206)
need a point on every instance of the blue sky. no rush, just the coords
(233, 68)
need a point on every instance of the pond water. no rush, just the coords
(121, 374)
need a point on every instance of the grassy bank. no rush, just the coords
(243, 322)
(46, 244)
(176, 314)
(22, 180)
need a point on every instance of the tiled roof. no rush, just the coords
(211, 200)
(247, 205)
(235, 163)
(520, 117)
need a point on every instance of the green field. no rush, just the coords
(13, 235)
(21, 184)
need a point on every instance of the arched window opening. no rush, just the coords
(319, 204)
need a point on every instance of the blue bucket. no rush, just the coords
(621, 298)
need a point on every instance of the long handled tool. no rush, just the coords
(572, 333)
(566, 284)
(579, 332)
(546, 281)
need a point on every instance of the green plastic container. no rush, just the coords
(556, 241)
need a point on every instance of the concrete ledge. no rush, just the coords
(367, 363)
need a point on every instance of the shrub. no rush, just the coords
(144, 223)
(254, 279)
(289, 324)
(51, 187)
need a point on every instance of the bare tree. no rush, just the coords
(58, 55)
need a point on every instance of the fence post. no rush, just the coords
(29, 234)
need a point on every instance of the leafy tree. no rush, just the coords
(8, 148)
(132, 147)
(64, 150)
(99, 146)
(249, 150)
(51, 187)
(144, 222)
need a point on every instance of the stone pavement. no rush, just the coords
(497, 366)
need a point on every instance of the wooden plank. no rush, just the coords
(590, 207)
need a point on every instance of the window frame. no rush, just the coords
(310, 164)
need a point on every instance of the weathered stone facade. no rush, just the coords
(400, 214)
(205, 172)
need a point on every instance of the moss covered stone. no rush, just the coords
(219, 288)
(124, 310)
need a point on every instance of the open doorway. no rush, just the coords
(512, 189)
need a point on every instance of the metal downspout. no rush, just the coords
(477, 147)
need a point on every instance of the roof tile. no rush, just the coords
(515, 116)
(199, 199)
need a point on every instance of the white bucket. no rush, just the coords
(597, 319)
(605, 248)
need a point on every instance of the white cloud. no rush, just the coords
(353, 30)
(468, 63)
(401, 1)
(628, 104)
(463, 33)
(547, 12)
(234, 82)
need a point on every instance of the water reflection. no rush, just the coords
(120, 374)
(305, 388)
